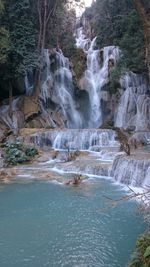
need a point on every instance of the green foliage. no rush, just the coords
(19, 32)
(12, 145)
(147, 252)
(22, 54)
(18, 153)
(4, 38)
(4, 44)
(31, 151)
(1, 6)
(14, 156)
(61, 28)
(18, 53)
(116, 22)
(115, 75)
(141, 257)
(132, 43)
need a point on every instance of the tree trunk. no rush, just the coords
(37, 78)
(10, 101)
(145, 19)
(45, 11)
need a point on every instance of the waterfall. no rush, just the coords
(64, 91)
(131, 171)
(75, 139)
(97, 73)
(134, 107)
(58, 86)
(28, 83)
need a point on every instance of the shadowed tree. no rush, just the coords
(46, 10)
(143, 8)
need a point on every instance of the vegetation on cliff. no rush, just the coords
(119, 23)
(141, 256)
(26, 27)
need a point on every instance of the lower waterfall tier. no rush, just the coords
(74, 139)
(101, 155)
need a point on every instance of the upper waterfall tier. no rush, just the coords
(87, 102)
(99, 63)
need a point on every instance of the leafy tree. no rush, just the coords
(143, 9)
(21, 55)
(4, 38)
(116, 22)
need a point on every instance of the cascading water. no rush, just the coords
(134, 106)
(29, 83)
(97, 73)
(64, 92)
(131, 171)
(75, 139)
(58, 86)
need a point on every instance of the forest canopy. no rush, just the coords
(29, 26)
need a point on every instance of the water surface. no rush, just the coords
(45, 224)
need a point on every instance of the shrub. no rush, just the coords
(14, 155)
(31, 151)
(18, 153)
(141, 257)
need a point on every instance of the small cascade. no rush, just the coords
(28, 83)
(131, 171)
(134, 107)
(81, 40)
(75, 139)
(84, 140)
(147, 178)
(97, 73)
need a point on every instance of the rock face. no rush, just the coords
(30, 107)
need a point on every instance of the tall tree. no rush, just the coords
(21, 55)
(4, 37)
(143, 8)
(46, 9)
